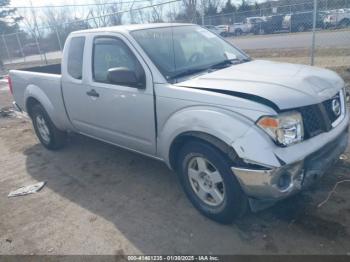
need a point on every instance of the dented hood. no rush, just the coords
(284, 85)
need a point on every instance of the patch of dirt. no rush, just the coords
(7, 112)
(322, 227)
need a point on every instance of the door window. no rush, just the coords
(110, 53)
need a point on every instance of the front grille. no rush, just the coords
(312, 120)
(328, 106)
(318, 118)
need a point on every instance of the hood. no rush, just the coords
(281, 84)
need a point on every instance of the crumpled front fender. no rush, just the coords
(222, 124)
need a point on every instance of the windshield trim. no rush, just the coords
(170, 79)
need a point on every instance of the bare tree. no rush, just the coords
(98, 14)
(190, 9)
(156, 12)
(116, 13)
(30, 21)
(60, 23)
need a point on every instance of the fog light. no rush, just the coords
(284, 181)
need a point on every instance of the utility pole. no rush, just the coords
(314, 21)
(203, 12)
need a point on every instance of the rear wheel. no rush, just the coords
(209, 183)
(48, 134)
(238, 32)
(344, 23)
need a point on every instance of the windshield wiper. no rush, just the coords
(219, 65)
(228, 62)
(187, 72)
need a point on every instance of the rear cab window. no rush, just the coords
(75, 57)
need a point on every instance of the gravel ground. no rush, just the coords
(100, 199)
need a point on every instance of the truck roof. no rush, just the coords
(131, 27)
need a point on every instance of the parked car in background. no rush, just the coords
(245, 26)
(269, 25)
(213, 29)
(251, 21)
(337, 18)
(224, 30)
(301, 21)
(239, 29)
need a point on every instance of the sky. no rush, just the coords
(62, 2)
(46, 2)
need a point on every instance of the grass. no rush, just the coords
(337, 59)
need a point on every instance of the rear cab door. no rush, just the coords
(118, 114)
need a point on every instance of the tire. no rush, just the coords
(48, 134)
(238, 32)
(344, 23)
(233, 203)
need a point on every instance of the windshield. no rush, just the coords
(185, 49)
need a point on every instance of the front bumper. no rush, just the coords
(266, 186)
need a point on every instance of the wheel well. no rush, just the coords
(31, 102)
(182, 139)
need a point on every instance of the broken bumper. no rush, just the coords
(266, 186)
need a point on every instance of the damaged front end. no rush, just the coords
(265, 186)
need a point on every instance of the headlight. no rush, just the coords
(285, 129)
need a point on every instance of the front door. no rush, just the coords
(116, 113)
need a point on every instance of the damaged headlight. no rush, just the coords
(285, 129)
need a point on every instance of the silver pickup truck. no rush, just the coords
(241, 133)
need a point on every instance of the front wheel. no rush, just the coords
(261, 31)
(48, 134)
(209, 183)
(238, 32)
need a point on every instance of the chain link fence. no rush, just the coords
(312, 32)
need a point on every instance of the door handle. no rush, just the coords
(93, 93)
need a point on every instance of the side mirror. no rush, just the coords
(125, 76)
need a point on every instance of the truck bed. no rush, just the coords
(54, 69)
(42, 83)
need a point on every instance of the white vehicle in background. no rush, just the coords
(239, 29)
(224, 30)
(246, 26)
(338, 18)
(213, 29)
